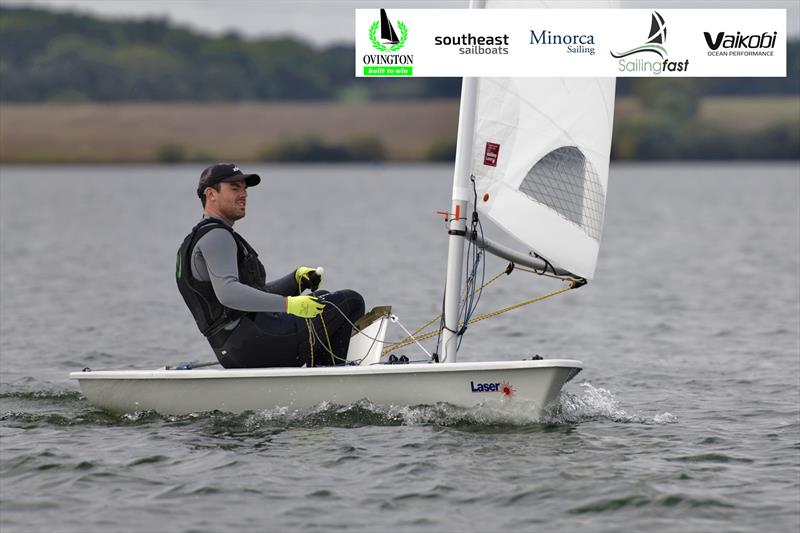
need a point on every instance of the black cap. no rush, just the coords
(224, 172)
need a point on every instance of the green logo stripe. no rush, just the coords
(388, 71)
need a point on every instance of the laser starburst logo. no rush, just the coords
(504, 388)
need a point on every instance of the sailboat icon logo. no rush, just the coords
(655, 41)
(388, 34)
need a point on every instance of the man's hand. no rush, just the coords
(308, 278)
(304, 306)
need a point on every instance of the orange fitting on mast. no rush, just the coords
(448, 216)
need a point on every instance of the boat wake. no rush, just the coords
(597, 403)
(590, 403)
(587, 404)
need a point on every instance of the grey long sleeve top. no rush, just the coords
(214, 259)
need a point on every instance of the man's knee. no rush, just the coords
(355, 302)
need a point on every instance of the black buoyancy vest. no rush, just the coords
(211, 316)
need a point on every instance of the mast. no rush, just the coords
(458, 216)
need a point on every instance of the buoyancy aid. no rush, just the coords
(211, 316)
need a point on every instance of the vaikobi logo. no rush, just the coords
(655, 44)
(728, 44)
(388, 63)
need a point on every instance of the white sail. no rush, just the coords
(540, 158)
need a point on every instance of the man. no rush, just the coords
(248, 321)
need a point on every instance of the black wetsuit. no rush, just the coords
(244, 317)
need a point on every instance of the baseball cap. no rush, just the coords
(224, 172)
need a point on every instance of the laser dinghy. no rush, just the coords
(533, 157)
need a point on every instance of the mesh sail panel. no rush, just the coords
(566, 182)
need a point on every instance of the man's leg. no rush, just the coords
(262, 340)
(342, 308)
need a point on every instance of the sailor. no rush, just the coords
(248, 321)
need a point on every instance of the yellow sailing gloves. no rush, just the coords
(308, 278)
(304, 306)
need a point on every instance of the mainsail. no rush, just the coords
(538, 151)
(540, 158)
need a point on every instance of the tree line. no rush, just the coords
(50, 56)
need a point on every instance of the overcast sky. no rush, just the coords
(321, 22)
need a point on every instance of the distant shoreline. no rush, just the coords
(402, 131)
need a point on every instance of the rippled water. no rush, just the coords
(686, 417)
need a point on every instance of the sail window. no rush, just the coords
(566, 182)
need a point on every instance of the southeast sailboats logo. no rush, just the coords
(388, 63)
(655, 44)
(388, 35)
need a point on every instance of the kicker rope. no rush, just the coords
(413, 338)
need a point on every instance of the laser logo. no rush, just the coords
(505, 388)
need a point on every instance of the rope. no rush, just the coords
(327, 338)
(428, 335)
(312, 341)
(394, 318)
(407, 340)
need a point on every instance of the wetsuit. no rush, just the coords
(243, 316)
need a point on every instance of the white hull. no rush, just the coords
(177, 392)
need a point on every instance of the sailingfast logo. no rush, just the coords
(655, 45)
(388, 63)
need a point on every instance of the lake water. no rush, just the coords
(685, 418)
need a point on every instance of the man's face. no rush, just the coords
(231, 200)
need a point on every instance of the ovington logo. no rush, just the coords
(388, 63)
(388, 35)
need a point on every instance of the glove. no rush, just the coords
(308, 278)
(304, 306)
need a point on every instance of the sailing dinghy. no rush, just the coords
(532, 156)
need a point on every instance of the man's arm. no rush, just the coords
(286, 286)
(214, 260)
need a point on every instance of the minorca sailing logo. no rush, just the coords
(655, 44)
(572, 43)
(505, 388)
(373, 63)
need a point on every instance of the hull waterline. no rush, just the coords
(177, 392)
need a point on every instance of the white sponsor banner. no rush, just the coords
(570, 42)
